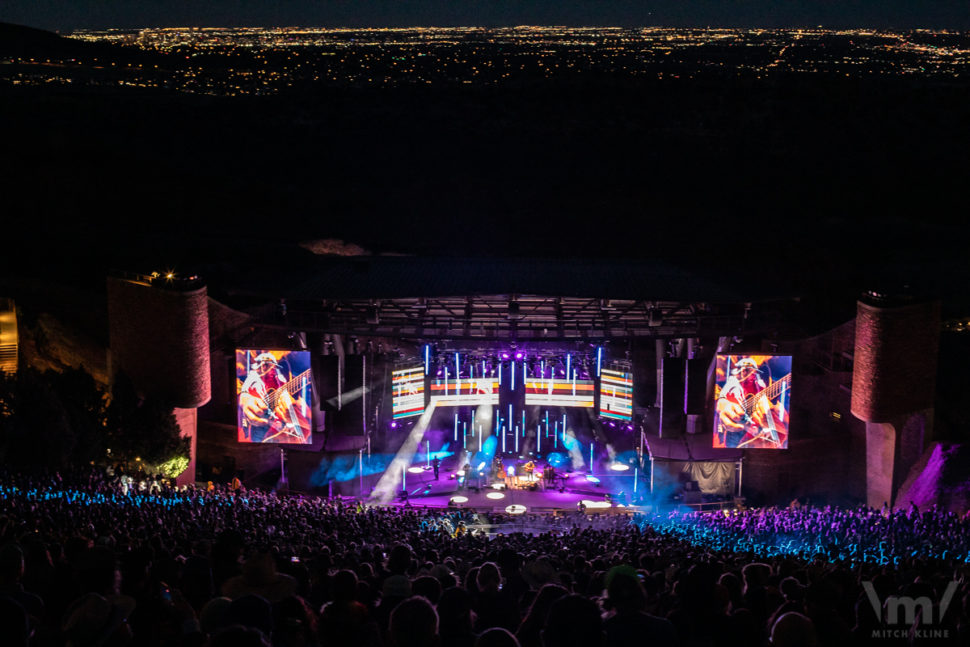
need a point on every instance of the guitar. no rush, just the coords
(295, 421)
(759, 425)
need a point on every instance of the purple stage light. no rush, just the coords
(519, 355)
(505, 356)
(394, 425)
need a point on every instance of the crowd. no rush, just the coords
(844, 535)
(88, 560)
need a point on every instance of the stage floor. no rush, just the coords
(424, 490)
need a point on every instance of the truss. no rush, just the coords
(510, 317)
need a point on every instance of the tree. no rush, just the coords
(144, 430)
(60, 418)
(35, 427)
(85, 405)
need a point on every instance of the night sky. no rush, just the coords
(98, 14)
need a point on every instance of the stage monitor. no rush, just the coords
(752, 401)
(408, 392)
(275, 393)
(465, 392)
(559, 392)
(616, 395)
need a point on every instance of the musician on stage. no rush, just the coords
(466, 473)
(528, 471)
(498, 470)
(272, 405)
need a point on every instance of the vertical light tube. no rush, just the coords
(456, 427)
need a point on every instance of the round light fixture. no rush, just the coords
(596, 505)
(515, 508)
(459, 499)
(592, 479)
(498, 486)
(417, 469)
(619, 467)
(495, 495)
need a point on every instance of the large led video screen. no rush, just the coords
(752, 396)
(464, 392)
(616, 395)
(408, 392)
(275, 395)
(559, 392)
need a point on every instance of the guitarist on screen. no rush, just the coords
(746, 415)
(269, 411)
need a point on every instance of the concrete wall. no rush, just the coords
(159, 337)
(894, 387)
(188, 422)
(896, 348)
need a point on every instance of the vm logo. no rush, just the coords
(909, 605)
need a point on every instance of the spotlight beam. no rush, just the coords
(387, 485)
(349, 396)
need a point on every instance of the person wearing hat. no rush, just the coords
(270, 403)
(94, 620)
(627, 623)
(745, 414)
(259, 577)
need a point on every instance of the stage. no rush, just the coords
(567, 493)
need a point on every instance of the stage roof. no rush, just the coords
(501, 298)
(690, 447)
